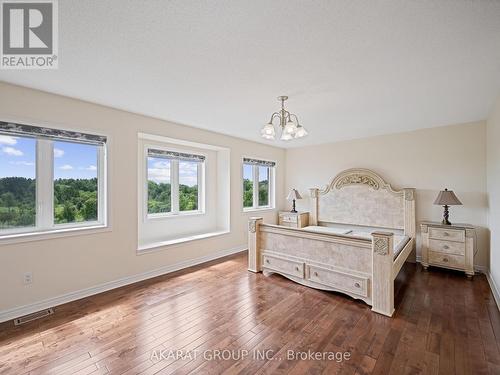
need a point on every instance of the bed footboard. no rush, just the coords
(359, 267)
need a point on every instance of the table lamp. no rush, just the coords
(447, 198)
(292, 196)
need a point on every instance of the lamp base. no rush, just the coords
(446, 215)
(294, 211)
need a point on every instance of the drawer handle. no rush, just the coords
(297, 268)
(445, 259)
(267, 261)
(446, 234)
(357, 285)
(446, 247)
(316, 274)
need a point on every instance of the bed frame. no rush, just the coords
(363, 268)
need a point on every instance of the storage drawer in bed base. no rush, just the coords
(338, 280)
(283, 265)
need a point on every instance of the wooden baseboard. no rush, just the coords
(17, 312)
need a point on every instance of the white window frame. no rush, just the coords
(44, 197)
(255, 177)
(174, 187)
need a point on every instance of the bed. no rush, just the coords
(362, 232)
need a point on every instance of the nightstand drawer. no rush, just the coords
(290, 267)
(447, 247)
(447, 234)
(447, 260)
(289, 219)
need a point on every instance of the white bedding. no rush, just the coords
(399, 240)
(327, 230)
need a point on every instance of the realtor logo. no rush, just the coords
(29, 34)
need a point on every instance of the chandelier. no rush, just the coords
(288, 122)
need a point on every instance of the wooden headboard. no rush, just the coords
(362, 197)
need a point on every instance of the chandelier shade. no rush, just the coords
(301, 132)
(286, 136)
(290, 128)
(288, 124)
(268, 131)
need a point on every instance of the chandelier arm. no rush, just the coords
(272, 117)
(296, 119)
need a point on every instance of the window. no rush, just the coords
(247, 186)
(188, 186)
(49, 179)
(258, 184)
(159, 186)
(174, 182)
(75, 182)
(264, 173)
(17, 183)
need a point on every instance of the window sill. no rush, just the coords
(152, 247)
(168, 216)
(263, 209)
(51, 234)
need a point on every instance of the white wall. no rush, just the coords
(493, 165)
(428, 160)
(70, 264)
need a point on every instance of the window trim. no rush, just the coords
(255, 177)
(45, 226)
(13, 238)
(175, 212)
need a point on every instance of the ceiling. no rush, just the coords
(351, 68)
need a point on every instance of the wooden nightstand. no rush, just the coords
(294, 219)
(448, 246)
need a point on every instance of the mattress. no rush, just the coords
(400, 240)
(327, 230)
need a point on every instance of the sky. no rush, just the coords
(248, 175)
(71, 160)
(247, 172)
(159, 171)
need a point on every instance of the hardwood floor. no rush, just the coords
(221, 308)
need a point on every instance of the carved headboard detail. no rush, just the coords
(362, 197)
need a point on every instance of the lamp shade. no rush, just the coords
(294, 194)
(447, 198)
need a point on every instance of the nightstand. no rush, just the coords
(448, 246)
(294, 219)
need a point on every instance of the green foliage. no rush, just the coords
(90, 209)
(247, 193)
(159, 198)
(75, 200)
(188, 198)
(17, 202)
(264, 193)
(68, 213)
